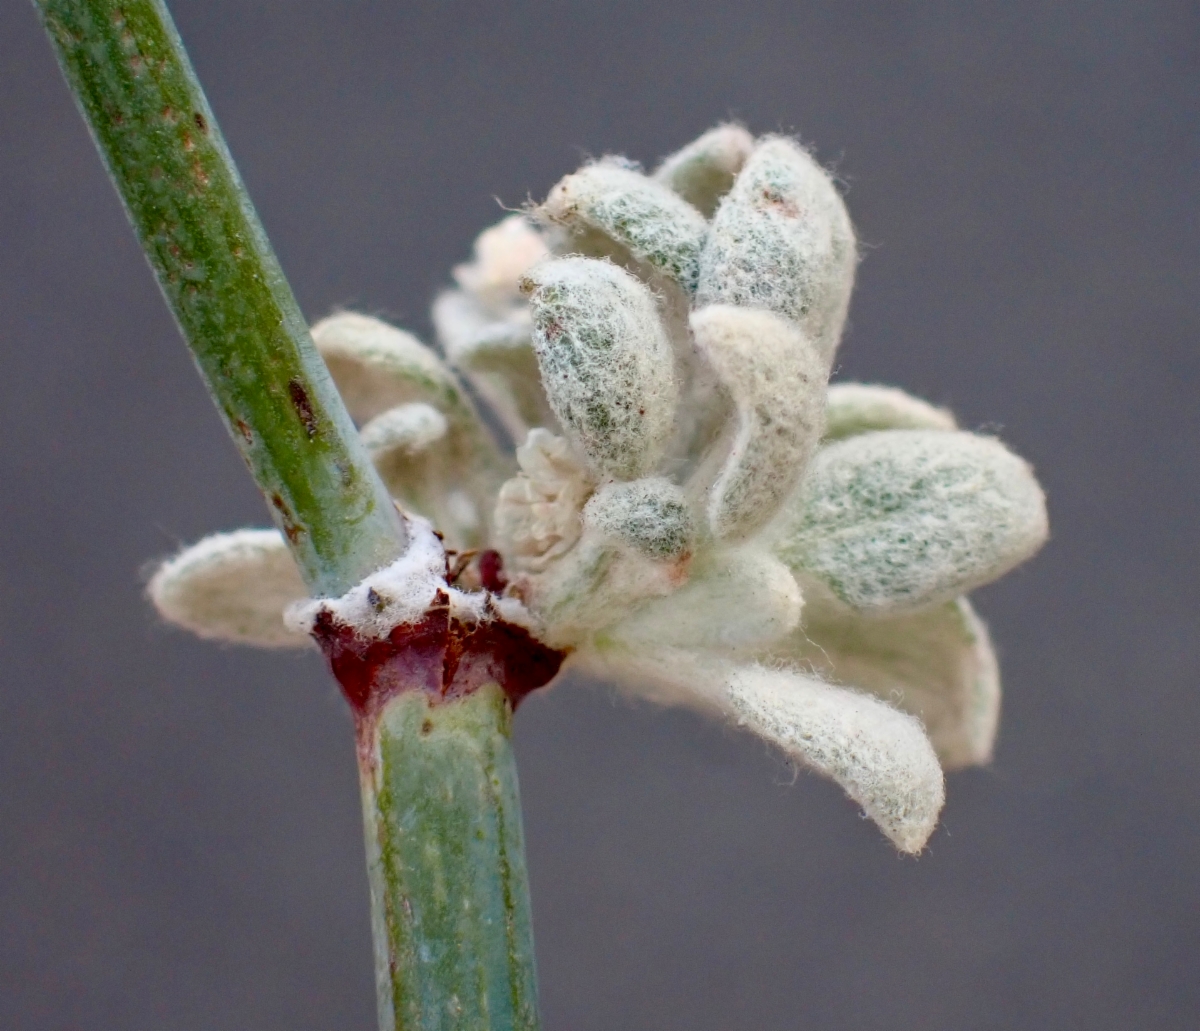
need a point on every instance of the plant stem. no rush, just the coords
(157, 135)
(446, 862)
(450, 901)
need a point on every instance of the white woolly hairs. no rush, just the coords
(776, 381)
(741, 600)
(606, 363)
(655, 224)
(852, 408)
(405, 430)
(879, 756)
(782, 240)
(651, 516)
(937, 664)
(703, 171)
(901, 519)
(377, 366)
(232, 587)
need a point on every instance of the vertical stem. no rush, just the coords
(446, 862)
(162, 146)
(445, 849)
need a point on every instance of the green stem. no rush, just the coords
(446, 862)
(158, 137)
(445, 850)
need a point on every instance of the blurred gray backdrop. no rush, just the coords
(179, 824)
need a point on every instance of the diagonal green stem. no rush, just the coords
(445, 852)
(160, 141)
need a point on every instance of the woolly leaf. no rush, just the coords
(703, 171)
(496, 355)
(739, 600)
(232, 587)
(406, 429)
(606, 363)
(650, 515)
(645, 217)
(853, 408)
(378, 368)
(937, 664)
(880, 756)
(902, 519)
(776, 381)
(782, 240)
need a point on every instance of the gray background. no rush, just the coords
(179, 825)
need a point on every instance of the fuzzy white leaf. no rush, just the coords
(650, 515)
(878, 755)
(937, 664)
(776, 381)
(902, 519)
(232, 587)
(737, 601)
(606, 363)
(496, 355)
(648, 219)
(703, 171)
(406, 429)
(853, 408)
(782, 240)
(538, 511)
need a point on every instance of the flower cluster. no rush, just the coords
(692, 511)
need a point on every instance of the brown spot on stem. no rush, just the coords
(244, 430)
(200, 121)
(291, 529)
(303, 407)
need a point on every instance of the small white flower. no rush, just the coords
(693, 512)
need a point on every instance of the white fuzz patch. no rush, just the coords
(396, 594)
(651, 516)
(606, 363)
(647, 218)
(937, 664)
(703, 171)
(902, 519)
(377, 366)
(880, 756)
(503, 254)
(592, 586)
(232, 587)
(408, 429)
(776, 381)
(739, 601)
(782, 240)
(538, 511)
(853, 408)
